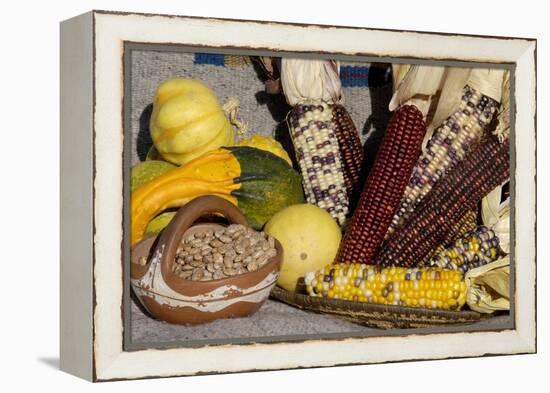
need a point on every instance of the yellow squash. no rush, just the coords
(268, 144)
(187, 121)
(310, 237)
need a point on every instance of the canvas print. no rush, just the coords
(278, 197)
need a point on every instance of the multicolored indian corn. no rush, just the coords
(316, 145)
(384, 186)
(474, 249)
(415, 287)
(485, 167)
(447, 147)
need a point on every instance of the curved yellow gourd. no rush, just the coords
(209, 174)
(187, 121)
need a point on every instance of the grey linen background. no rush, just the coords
(265, 115)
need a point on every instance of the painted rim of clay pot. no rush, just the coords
(141, 249)
(183, 220)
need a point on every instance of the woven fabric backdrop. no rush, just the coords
(367, 90)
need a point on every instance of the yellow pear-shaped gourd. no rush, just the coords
(188, 121)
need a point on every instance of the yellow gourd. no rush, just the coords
(310, 237)
(268, 144)
(187, 121)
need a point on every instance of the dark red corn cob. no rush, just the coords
(484, 168)
(351, 149)
(467, 223)
(384, 187)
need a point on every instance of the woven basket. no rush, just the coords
(375, 315)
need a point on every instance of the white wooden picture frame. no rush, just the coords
(92, 197)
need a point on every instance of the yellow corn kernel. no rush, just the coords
(426, 287)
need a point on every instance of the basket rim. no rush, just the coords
(313, 303)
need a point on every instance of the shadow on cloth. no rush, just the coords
(143, 140)
(375, 126)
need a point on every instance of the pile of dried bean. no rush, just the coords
(233, 250)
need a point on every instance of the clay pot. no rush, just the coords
(176, 300)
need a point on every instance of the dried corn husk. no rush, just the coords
(489, 287)
(270, 68)
(398, 74)
(444, 87)
(417, 86)
(311, 80)
(448, 99)
(496, 215)
(502, 130)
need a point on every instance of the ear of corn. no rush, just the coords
(467, 223)
(351, 149)
(384, 186)
(447, 147)
(474, 249)
(326, 142)
(415, 287)
(460, 190)
(318, 155)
